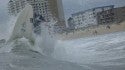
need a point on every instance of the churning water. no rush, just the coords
(104, 52)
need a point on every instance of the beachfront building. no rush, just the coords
(84, 19)
(46, 8)
(91, 17)
(57, 11)
(41, 7)
(15, 6)
(106, 16)
(120, 14)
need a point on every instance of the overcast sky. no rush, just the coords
(3, 11)
(70, 6)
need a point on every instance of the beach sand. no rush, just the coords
(94, 31)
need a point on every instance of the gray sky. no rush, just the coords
(70, 6)
(3, 11)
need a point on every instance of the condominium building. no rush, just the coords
(106, 16)
(56, 9)
(15, 6)
(47, 8)
(41, 7)
(120, 14)
(91, 17)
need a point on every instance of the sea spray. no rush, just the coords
(46, 41)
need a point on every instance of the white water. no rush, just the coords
(20, 54)
(46, 41)
(105, 52)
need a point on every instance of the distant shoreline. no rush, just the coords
(91, 32)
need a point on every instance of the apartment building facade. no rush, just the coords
(106, 16)
(92, 17)
(120, 14)
(15, 6)
(57, 11)
(41, 7)
(47, 8)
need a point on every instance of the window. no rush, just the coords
(31, 20)
(43, 11)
